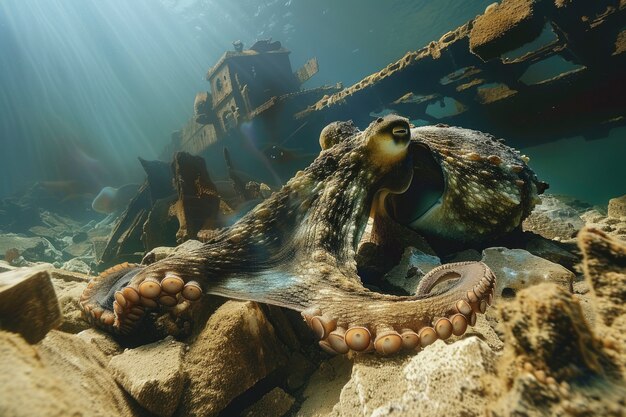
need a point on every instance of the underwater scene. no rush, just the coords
(292, 208)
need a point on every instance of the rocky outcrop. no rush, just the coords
(152, 374)
(442, 380)
(605, 271)
(237, 335)
(61, 376)
(553, 363)
(555, 218)
(516, 269)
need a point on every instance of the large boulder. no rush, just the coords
(553, 363)
(236, 349)
(62, 376)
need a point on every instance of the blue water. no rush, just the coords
(87, 86)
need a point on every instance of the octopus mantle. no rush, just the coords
(297, 248)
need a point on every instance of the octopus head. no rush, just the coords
(387, 139)
(380, 152)
(385, 145)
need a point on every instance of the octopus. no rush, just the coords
(297, 248)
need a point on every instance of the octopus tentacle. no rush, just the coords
(297, 250)
(392, 323)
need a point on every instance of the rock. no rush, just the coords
(28, 386)
(275, 403)
(553, 364)
(299, 369)
(617, 207)
(485, 330)
(614, 224)
(76, 265)
(28, 303)
(554, 218)
(592, 216)
(152, 374)
(99, 246)
(516, 269)
(103, 341)
(5, 266)
(442, 380)
(69, 286)
(551, 250)
(31, 248)
(236, 349)
(412, 267)
(76, 250)
(324, 387)
(62, 376)
(604, 264)
(545, 326)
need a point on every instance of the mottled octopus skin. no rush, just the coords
(297, 250)
(488, 188)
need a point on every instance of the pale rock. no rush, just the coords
(152, 374)
(442, 380)
(31, 248)
(412, 267)
(592, 216)
(516, 269)
(102, 340)
(76, 265)
(61, 376)
(553, 218)
(5, 266)
(237, 348)
(76, 250)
